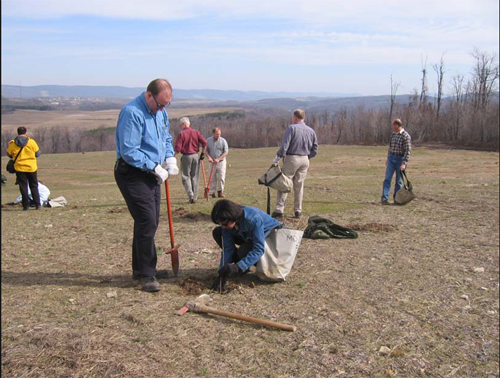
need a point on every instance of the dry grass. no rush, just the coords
(409, 282)
(84, 119)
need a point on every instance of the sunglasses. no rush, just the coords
(160, 106)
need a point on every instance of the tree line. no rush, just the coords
(467, 118)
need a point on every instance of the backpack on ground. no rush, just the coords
(322, 228)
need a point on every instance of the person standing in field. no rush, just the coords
(26, 166)
(397, 159)
(299, 145)
(143, 145)
(217, 150)
(188, 144)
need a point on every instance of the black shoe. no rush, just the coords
(161, 274)
(298, 214)
(384, 203)
(277, 215)
(191, 201)
(136, 275)
(150, 284)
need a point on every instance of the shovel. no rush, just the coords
(202, 165)
(209, 180)
(174, 252)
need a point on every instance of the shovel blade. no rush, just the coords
(174, 254)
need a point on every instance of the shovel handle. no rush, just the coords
(268, 323)
(169, 208)
(209, 180)
(202, 166)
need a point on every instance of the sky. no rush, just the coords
(329, 46)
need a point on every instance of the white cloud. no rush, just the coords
(306, 11)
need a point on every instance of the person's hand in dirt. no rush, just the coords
(219, 284)
(230, 270)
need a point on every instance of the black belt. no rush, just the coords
(123, 167)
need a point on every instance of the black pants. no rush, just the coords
(24, 179)
(142, 195)
(241, 252)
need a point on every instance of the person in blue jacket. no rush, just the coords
(241, 234)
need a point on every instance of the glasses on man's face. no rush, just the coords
(160, 106)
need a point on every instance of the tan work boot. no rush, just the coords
(220, 193)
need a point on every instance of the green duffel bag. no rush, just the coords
(405, 194)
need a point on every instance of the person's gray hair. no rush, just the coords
(299, 113)
(184, 120)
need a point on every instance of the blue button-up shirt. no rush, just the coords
(254, 226)
(143, 139)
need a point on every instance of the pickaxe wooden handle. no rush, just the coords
(269, 323)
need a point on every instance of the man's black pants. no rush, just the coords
(142, 195)
(24, 179)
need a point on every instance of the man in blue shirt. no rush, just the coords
(143, 144)
(244, 226)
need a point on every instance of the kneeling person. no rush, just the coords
(244, 226)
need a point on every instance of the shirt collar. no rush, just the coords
(142, 100)
(401, 131)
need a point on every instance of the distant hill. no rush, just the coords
(115, 97)
(25, 92)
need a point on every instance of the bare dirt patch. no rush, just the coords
(373, 227)
(190, 215)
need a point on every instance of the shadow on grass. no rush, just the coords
(202, 276)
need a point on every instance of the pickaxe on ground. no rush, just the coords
(199, 305)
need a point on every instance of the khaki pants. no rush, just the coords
(218, 177)
(190, 174)
(294, 167)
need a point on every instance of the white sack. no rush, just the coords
(280, 249)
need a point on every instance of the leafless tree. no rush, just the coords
(439, 69)
(423, 92)
(394, 90)
(485, 78)
(458, 87)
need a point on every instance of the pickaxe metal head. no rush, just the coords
(201, 300)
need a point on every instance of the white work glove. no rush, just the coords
(160, 173)
(172, 166)
(276, 160)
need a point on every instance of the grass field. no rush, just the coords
(421, 280)
(33, 119)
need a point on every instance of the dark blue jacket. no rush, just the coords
(253, 226)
